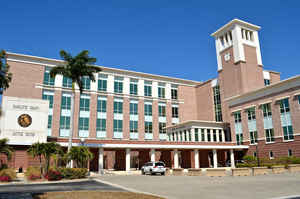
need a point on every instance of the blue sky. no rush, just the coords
(162, 37)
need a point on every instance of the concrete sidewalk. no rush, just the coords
(192, 187)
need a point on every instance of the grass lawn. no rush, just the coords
(93, 195)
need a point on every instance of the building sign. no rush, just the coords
(24, 121)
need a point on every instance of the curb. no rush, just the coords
(46, 182)
(130, 189)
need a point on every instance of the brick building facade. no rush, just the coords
(128, 118)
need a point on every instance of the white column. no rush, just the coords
(196, 153)
(217, 134)
(110, 83)
(232, 158)
(223, 135)
(154, 89)
(215, 158)
(193, 134)
(205, 135)
(126, 85)
(211, 135)
(176, 161)
(200, 135)
(127, 159)
(101, 154)
(94, 85)
(58, 81)
(152, 156)
(175, 136)
(187, 136)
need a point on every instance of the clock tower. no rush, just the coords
(239, 58)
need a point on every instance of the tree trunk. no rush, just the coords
(41, 168)
(70, 165)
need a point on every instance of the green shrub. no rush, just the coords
(242, 165)
(3, 166)
(33, 173)
(73, 173)
(8, 173)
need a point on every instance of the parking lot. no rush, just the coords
(191, 187)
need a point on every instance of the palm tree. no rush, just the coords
(75, 68)
(81, 155)
(5, 76)
(5, 148)
(36, 150)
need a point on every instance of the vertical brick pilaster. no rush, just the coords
(93, 116)
(76, 115)
(155, 127)
(110, 117)
(141, 122)
(126, 118)
(169, 113)
(56, 113)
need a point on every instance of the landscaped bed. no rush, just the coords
(93, 195)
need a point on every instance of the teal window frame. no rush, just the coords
(133, 108)
(64, 122)
(67, 82)
(47, 79)
(148, 109)
(118, 107)
(101, 124)
(118, 125)
(101, 105)
(253, 137)
(66, 102)
(161, 92)
(86, 83)
(50, 98)
(148, 127)
(161, 127)
(84, 104)
(269, 135)
(102, 83)
(161, 111)
(133, 126)
(84, 123)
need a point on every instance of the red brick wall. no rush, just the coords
(187, 109)
(205, 102)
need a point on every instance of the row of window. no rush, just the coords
(271, 154)
(211, 136)
(118, 85)
(285, 117)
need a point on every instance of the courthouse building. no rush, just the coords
(127, 118)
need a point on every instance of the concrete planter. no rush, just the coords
(260, 171)
(294, 168)
(168, 172)
(215, 172)
(177, 172)
(241, 172)
(278, 169)
(194, 172)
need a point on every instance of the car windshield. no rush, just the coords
(159, 164)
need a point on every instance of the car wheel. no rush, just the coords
(151, 172)
(163, 173)
(143, 172)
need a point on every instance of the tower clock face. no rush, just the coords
(227, 57)
(24, 120)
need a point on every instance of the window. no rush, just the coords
(267, 110)
(83, 123)
(66, 102)
(251, 113)
(148, 109)
(269, 135)
(64, 122)
(237, 117)
(148, 88)
(174, 92)
(202, 135)
(208, 135)
(102, 82)
(254, 154)
(217, 104)
(290, 153)
(101, 125)
(298, 99)
(220, 136)
(133, 126)
(162, 127)
(49, 121)
(162, 110)
(118, 107)
(101, 105)
(286, 122)
(47, 79)
(190, 136)
(267, 82)
(184, 136)
(84, 103)
(118, 125)
(196, 135)
(133, 86)
(214, 135)
(253, 137)
(148, 127)
(48, 95)
(161, 90)
(271, 155)
(118, 85)
(238, 127)
(133, 109)
(175, 111)
(67, 82)
(86, 83)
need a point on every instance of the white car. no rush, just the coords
(153, 168)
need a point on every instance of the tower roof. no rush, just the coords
(234, 22)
